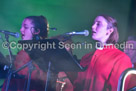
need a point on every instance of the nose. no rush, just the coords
(22, 30)
(93, 26)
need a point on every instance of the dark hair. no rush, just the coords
(132, 38)
(40, 23)
(112, 23)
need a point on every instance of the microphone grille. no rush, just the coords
(86, 32)
(17, 35)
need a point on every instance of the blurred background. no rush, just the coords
(67, 16)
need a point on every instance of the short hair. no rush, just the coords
(112, 23)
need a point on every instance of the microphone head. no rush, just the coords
(86, 32)
(17, 35)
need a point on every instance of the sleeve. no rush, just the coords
(38, 73)
(86, 59)
(72, 76)
(23, 58)
(79, 81)
(121, 65)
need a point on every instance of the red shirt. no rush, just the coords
(23, 58)
(104, 68)
(38, 77)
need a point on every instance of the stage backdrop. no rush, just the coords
(65, 15)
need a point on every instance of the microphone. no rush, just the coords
(16, 35)
(85, 33)
(54, 29)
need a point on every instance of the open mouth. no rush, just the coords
(93, 32)
(23, 35)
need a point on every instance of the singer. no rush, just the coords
(33, 28)
(104, 66)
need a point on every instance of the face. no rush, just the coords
(131, 50)
(27, 29)
(99, 29)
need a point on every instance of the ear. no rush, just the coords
(36, 31)
(109, 31)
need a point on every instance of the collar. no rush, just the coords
(105, 46)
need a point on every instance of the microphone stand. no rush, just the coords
(10, 60)
(30, 67)
(1, 38)
(9, 50)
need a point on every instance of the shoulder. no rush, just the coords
(123, 59)
(86, 59)
(22, 55)
(121, 54)
(117, 54)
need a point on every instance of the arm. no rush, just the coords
(23, 58)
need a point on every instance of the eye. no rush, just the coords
(98, 24)
(94, 23)
(26, 27)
